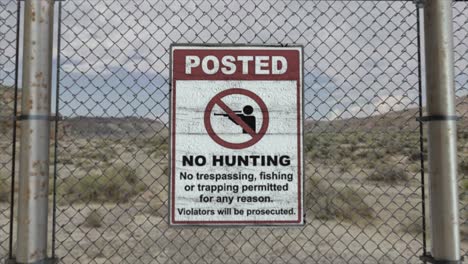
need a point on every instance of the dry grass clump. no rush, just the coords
(464, 165)
(4, 191)
(388, 174)
(333, 202)
(414, 155)
(465, 185)
(156, 146)
(5, 187)
(94, 219)
(116, 183)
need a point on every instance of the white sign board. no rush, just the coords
(236, 155)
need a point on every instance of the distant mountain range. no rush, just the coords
(404, 120)
(121, 127)
(391, 121)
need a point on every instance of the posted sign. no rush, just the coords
(236, 135)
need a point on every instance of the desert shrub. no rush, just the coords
(415, 168)
(100, 155)
(94, 219)
(345, 164)
(328, 147)
(65, 157)
(464, 193)
(310, 141)
(114, 184)
(407, 142)
(389, 174)
(155, 146)
(95, 151)
(65, 160)
(344, 151)
(393, 149)
(399, 143)
(465, 185)
(376, 154)
(333, 202)
(4, 191)
(360, 154)
(464, 165)
(369, 158)
(414, 154)
(85, 164)
(462, 133)
(82, 147)
(104, 144)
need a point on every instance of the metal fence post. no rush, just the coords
(35, 132)
(442, 131)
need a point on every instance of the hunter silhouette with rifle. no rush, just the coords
(246, 116)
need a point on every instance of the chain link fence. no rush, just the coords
(363, 184)
(461, 83)
(8, 73)
(363, 190)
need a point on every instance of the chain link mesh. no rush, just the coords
(363, 178)
(460, 28)
(363, 192)
(8, 31)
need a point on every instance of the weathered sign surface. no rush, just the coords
(236, 135)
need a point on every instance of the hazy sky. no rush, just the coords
(360, 57)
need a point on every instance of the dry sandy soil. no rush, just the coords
(354, 213)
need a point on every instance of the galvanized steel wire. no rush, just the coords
(362, 92)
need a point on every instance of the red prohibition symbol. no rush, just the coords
(255, 136)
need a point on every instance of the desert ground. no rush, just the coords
(362, 194)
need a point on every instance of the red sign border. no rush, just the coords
(300, 114)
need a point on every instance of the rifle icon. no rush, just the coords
(245, 115)
(227, 114)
